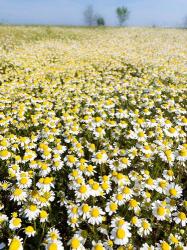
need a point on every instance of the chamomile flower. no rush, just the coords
(168, 175)
(174, 239)
(95, 215)
(45, 183)
(76, 243)
(16, 243)
(15, 223)
(54, 245)
(100, 157)
(163, 245)
(173, 190)
(32, 212)
(43, 216)
(111, 207)
(144, 227)
(180, 218)
(18, 195)
(160, 210)
(84, 210)
(83, 192)
(167, 156)
(5, 154)
(53, 235)
(181, 154)
(120, 235)
(161, 185)
(97, 245)
(29, 231)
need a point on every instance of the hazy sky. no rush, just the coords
(67, 12)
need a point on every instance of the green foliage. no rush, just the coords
(122, 14)
(100, 21)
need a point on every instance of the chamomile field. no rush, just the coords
(93, 129)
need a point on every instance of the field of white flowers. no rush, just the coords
(93, 131)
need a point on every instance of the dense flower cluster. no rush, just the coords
(93, 147)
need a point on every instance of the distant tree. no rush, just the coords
(122, 14)
(89, 15)
(100, 21)
(185, 22)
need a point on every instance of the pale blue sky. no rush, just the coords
(70, 12)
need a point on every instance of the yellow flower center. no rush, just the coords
(95, 186)
(161, 211)
(43, 214)
(74, 173)
(85, 208)
(149, 181)
(173, 191)
(165, 246)
(141, 134)
(184, 120)
(119, 197)
(99, 130)
(120, 233)
(133, 203)
(4, 153)
(170, 172)
(15, 244)
(53, 246)
(23, 180)
(33, 208)
(124, 160)
(163, 184)
(95, 212)
(98, 119)
(134, 220)
(71, 159)
(183, 152)
(145, 224)
(182, 216)
(75, 243)
(99, 247)
(172, 130)
(16, 222)
(126, 190)
(120, 176)
(74, 220)
(47, 180)
(17, 192)
(74, 210)
(174, 239)
(113, 206)
(53, 235)
(99, 156)
(29, 229)
(83, 189)
(105, 185)
(168, 153)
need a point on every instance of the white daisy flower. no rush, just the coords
(144, 228)
(120, 235)
(95, 215)
(180, 218)
(15, 223)
(173, 190)
(15, 243)
(29, 231)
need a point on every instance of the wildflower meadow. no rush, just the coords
(93, 128)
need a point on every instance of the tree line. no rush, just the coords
(92, 19)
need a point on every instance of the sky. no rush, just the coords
(70, 12)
